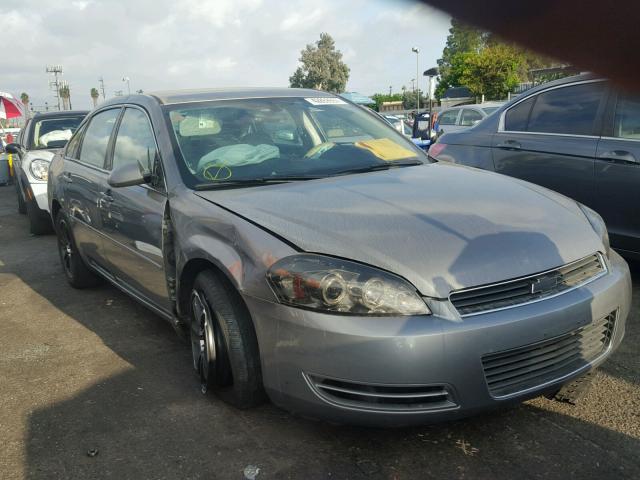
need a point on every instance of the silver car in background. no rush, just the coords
(311, 252)
(456, 119)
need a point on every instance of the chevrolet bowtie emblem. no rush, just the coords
(543, 284)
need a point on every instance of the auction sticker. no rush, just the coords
(325, 101)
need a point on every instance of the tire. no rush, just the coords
(39, 220)
(574, 391)
(223, 343)
(77, 273)
(22, 206)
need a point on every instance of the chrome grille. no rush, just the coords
(529, 289)
(382, 397)
(534, 365)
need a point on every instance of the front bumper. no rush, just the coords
(39, 191)
(430, 355)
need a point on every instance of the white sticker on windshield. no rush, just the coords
(325, 101)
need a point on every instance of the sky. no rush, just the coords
(173, 44)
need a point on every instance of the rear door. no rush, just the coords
(448, 120)
(617, 170)
(550, 138)
(85, 178)
(134, 215)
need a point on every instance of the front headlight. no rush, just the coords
(40, 169)
(597, 223)
(333, 285)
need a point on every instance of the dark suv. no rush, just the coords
(577, 136)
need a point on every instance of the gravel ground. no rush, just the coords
(92, 371)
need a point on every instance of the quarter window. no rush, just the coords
(135, 142)
(470, 117)
(627, 119)
(96, 138)
(568, 110)
(73, 145)
(449, 117)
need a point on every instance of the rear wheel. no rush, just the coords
(77, 273)
(223, 343)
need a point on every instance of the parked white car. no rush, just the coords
(43, 135)
(462, 117)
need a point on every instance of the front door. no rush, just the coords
(618, 173)
(84, 178)
(134, 215)
(551, 138)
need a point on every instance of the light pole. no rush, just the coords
(389, 90)
(416, 50)
(127, 79)
(432, 72)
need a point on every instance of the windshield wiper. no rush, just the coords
(252, 182)
(376, 168)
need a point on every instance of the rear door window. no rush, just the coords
(568, 110)
(627, 117)
(96, 138)
(470, 117)
(449, 117)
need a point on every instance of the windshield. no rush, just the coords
(53, 132)
(490, 110)
(280, 138)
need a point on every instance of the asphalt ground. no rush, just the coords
(92, 385)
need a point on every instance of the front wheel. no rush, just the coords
(223, 343)
(77, 273)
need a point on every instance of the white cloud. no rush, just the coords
(167, 44)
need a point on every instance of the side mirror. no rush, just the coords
(13, 148)
(127, 176)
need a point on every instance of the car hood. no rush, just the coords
(440, 226)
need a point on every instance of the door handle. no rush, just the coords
(105, 199)
(509, 145)
(619, 156)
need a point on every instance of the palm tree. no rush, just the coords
(65, 95)
(94, 97)
(24, 97)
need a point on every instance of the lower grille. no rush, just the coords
(382, 397)
(534, 365)
(529, 289)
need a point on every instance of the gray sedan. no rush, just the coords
(311, 252)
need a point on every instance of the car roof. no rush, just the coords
(203, 95)
(60, 114)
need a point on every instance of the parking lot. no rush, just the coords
(93, 371)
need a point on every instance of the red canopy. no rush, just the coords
(9, 106)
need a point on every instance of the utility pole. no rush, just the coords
(389, 90)
(101, 80)
(55, 70)
(416, 50)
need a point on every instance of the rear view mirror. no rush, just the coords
(128, 175)
(285, 135)
(12, 148)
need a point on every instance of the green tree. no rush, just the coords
(493, 72)
(379, 98)
(322, 67)
(24, 98)
(94, 96)
(409, 99)
(462, 39)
